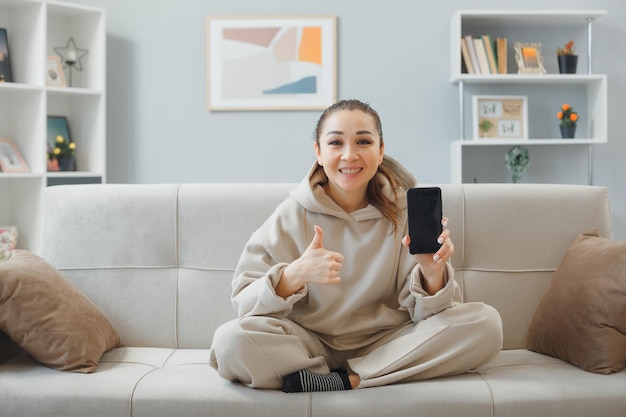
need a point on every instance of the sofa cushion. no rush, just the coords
(581, 318)
(46, 315)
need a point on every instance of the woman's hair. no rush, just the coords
(388, 207)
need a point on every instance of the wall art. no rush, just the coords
(271, 62)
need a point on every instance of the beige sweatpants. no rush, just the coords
(259, 351)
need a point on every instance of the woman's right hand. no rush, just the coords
(316, 265)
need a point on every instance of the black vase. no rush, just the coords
(66, 164)
(568, 132)
(567, 64)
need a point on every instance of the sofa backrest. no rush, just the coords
(159, 259)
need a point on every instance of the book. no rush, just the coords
(501, 52)
(481, 54)
(474, 59)
(467, 59)
(491, 54)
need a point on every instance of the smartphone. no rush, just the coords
(425, 214)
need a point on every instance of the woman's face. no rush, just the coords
(350, 151)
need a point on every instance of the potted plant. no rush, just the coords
(567, 58)
(485, 126)
(63, 152)
(568, 118)
(517, 160)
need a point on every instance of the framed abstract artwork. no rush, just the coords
(271, 62)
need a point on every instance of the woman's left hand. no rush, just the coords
(433, 265)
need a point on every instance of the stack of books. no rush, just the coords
(483, 55)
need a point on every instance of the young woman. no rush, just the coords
(329, 297)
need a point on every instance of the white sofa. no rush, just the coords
(158, 261)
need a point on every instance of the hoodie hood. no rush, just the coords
(310, 193)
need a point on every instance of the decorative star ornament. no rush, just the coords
(71, 55)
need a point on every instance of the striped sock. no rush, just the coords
(307, 381)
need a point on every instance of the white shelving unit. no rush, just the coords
(35, 28)
(586, 92)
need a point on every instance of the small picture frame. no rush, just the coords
(500, 117)
(528, 57)
(54, 72)
(57, 125)
(5, 58)
(10, 158)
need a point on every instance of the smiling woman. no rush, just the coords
(350, 150)
(329, 280)
(364, 114)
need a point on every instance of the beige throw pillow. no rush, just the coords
(582, 316)
(46, 315)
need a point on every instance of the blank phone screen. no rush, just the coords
(424, 211)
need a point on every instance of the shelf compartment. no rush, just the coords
(21, 201)
(23, 21)
(20, 106)
(587, 95)
(549, 27)
(85, 116)
(86, 26)
(548, 163)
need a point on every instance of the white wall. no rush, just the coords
(392, 53)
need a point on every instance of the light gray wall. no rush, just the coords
(392, 53)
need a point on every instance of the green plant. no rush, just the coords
(568, 49)
(567, 115)
(517, 160)
(63, 148)
(485, 125)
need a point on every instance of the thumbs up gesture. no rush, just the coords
(317, 239)
(316, 265)
(321, 266)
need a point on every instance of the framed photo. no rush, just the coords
(57, 125)
(5, 59)
(528, 58)
(271, 62)
(500, 117)
(10, 158)
(54, 72)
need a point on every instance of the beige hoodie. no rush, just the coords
(380, 286)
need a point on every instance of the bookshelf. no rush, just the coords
(34, 28)
(585, 91)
